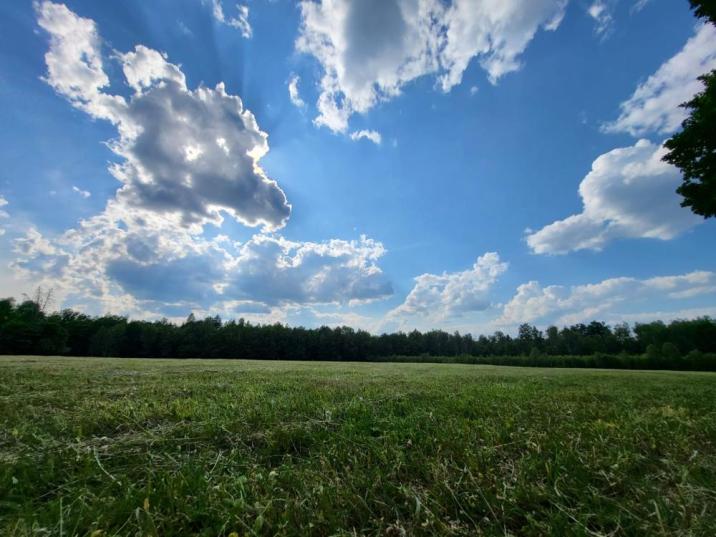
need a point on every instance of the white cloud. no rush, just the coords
(629, 193)
(195, 154)
(639, 5)
(370, 49)
(496, 32)
(660, 315)
(184, 29)
(145, 67)
(3, 214)
(74, 61)
(373, 136)
(293, 92)
(136, 261)
(37, 255)
(654, 106)
(240, 22)
(83, 193)
(191, 154)
(317, 316)
(448, 295)
(601, 13)
(568, 305)
(273, 270)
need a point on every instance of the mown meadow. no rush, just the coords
(105, 447)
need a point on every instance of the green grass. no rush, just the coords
(170, 447)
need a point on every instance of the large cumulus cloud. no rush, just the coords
(189, 157)
(192, 154)
(369, 50)
(629, 193)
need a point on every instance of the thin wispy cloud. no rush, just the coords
(654, 107)
(293, 92)
(370, 135)
(82, 193)
(240, 20)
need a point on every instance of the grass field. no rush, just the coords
(164, 447)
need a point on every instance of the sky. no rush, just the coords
(386, 164)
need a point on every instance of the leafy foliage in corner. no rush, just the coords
(693, 150)
(705, 9)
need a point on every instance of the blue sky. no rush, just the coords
(390, 164)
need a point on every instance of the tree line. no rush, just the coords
(25, 328)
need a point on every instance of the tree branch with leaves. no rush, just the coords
(693, 150)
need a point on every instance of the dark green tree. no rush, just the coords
(682, 344)
(693, 150)
(704, 8)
